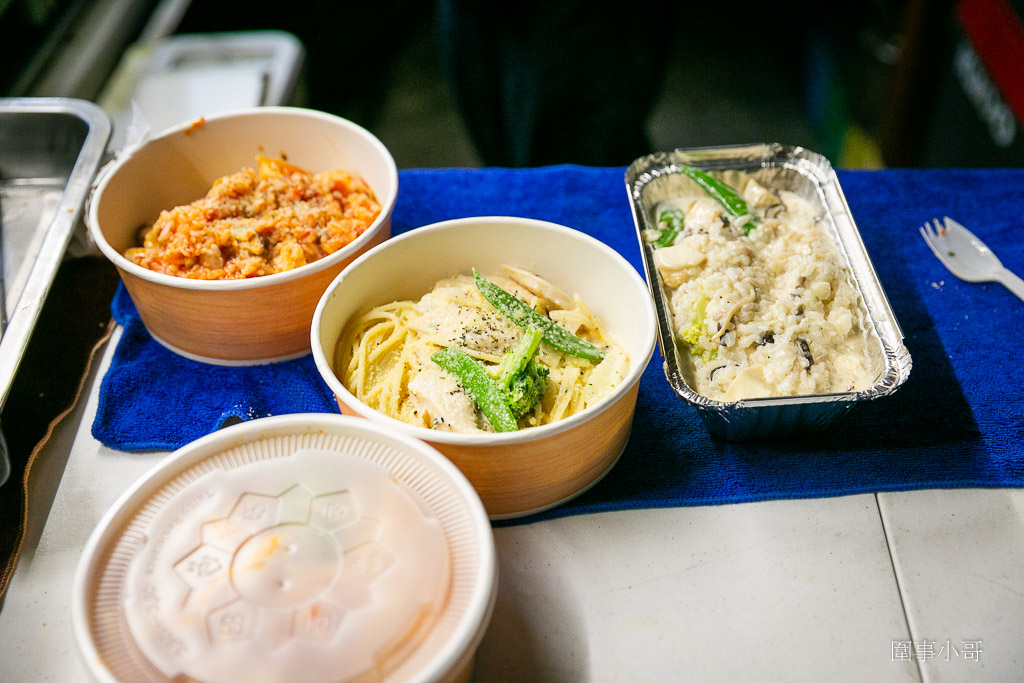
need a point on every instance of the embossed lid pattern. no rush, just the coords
(294, 548)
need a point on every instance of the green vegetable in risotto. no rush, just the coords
(730, 200)
(672, 220)
(698, 329)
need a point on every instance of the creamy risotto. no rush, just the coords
(254, 223)
(762, 302)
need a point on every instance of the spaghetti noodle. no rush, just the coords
(383, 357)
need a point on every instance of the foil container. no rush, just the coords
(657, 177)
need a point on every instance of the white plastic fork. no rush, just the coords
(966, 256)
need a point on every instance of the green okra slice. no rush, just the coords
(730, 200)
(519, 312)
(477, 382)
(673, 220)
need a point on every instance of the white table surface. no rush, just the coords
(920, 586)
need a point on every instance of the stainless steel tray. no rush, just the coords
(50, 150)
(656, 177)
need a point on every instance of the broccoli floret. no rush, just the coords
(526, 388)
(521, 377)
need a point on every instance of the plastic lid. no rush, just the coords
(297, 548)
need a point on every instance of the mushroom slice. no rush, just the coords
(758, 196)
(678, 256)
(541, 287)
(749, 383)
(733, 310)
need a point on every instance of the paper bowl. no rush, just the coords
(299, 547)
(531, 470)
(230, 322)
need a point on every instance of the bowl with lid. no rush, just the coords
(228, 284)
(298, 547)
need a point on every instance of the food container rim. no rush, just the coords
(637, 366)
(107, 172)
(478, 613)
(740, 157)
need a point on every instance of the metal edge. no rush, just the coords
(666, 335)
(68, 213)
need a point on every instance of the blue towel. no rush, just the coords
(958, 421)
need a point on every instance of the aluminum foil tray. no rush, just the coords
(50, 150)
(657, 177)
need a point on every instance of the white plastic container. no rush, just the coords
(294, 548)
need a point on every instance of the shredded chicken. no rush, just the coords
(442, 399)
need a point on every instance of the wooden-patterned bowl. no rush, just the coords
(531, 470)
(233, 322)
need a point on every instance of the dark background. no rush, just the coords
(446, 83)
